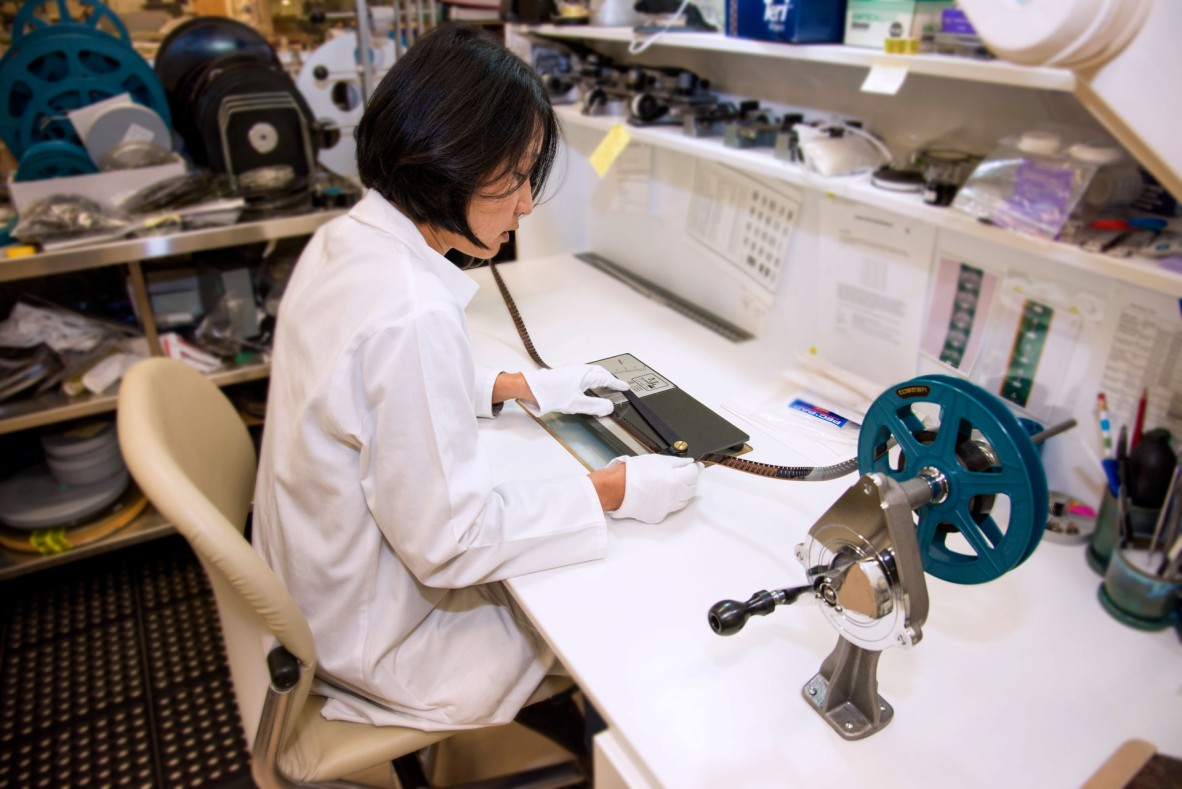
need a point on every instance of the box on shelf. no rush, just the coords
(107, 189)
(870, 23)
(791, 21)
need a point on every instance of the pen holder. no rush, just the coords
(1141, 519)
(1138, 598)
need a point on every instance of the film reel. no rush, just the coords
(125, 123)
(92, 14)
(251, 117)
(982, 453)
(54, 159)
(200, 40)
(61, 68)
(330, 83)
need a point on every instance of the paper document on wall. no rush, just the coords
(745, 221)
(1146, 356)
(633, 180)
(873, 276)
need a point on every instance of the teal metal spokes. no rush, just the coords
(983, 453)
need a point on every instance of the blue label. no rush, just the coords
(819, 413)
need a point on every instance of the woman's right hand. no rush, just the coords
(653, 486)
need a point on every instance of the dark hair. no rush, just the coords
(456, 113)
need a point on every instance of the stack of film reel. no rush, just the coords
(60, 63)
(239, 113)
(79, 493)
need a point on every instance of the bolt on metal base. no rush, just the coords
(845, 692)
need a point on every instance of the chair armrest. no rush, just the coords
(283, 668)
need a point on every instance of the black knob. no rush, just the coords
(727, 617)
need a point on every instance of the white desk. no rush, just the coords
(1022, 682)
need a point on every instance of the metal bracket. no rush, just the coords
(845, 692)
(873, 518)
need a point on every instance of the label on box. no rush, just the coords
(869, 23)
(791, 21)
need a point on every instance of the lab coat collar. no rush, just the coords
(377, 211)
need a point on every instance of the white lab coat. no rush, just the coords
(374, 502)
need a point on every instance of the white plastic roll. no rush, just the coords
(1065, 33)
(331, 84)
(1125, 55)
(1031, 32)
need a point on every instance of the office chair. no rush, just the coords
(190, 453)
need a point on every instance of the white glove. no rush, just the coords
(656, 485)
(562, 390)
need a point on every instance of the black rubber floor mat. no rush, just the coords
(113, 673)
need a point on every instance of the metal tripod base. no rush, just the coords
(845, 692)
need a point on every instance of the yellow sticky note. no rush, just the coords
(609, 149)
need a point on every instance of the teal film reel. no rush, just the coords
(61, 68)
(54, 159)
(36, 15)
(982, 452)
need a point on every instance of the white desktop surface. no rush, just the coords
(1023, 682)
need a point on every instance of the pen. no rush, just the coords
(1139, 423)
(1105, 425)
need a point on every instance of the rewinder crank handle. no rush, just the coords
(727, 617)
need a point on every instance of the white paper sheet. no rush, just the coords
(873, 276)
(884, 78)
(1146, 355)
(633, 175)
(84, 117)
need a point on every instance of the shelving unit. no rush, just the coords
(987, 71)
(54, 407)
(1142, 272)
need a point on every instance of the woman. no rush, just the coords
(374, 502)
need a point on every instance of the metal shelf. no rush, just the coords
(111, 253)
(943, 66)
(54, 407)
(150, 525)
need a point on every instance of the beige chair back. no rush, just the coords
(190, 453)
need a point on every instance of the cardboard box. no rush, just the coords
(791, 21)
(869, 23)
(107, 189)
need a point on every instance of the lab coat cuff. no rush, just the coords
(485, 378)
(593, 499)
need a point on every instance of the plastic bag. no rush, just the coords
(220, 331)
(68, 216)
(1033, 182)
